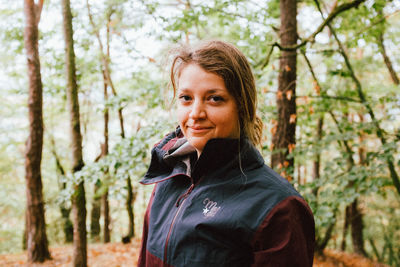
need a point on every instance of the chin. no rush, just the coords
(197, 144)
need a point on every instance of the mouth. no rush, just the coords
(199, 129)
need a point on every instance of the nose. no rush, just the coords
(198, 110)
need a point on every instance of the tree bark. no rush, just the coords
(37, 243)
(79, 220)
(357, 227)
(345, 227)
(317, 161)
(356, 221)
(130, 199)
(78, 197)
(106, 209)
(96, 206)
(284, 139)
(106, 217)
(95, 214)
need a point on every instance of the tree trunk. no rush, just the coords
(78, 197)
(130, 199)
(68, 226)
(79, 220)
(317, 161)
(25, 236)
(37, 243)
(284, 139)
(357, 225)
(95, 214)
(345, 227)
(106, 217)
(357, 229)
(106, 209)
(96, 205)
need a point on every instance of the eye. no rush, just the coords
(184, 98)
(216, 98)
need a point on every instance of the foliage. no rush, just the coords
(141, 34)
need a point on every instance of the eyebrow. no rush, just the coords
(209, 91)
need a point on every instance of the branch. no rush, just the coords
(379, 21)
(335, 12)
(104, 59)
(266, 62)
(361, 95)
(339, 98)
(345, 142)
(382, 48)
(387, 60)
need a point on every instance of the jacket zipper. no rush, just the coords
(179, 205)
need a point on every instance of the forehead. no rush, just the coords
(193, 76)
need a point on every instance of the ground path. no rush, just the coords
(124, 255)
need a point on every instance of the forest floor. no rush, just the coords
(121, 255)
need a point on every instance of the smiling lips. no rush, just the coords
(199, 129)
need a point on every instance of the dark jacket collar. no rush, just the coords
(173, 156)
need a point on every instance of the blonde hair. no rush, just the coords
(228, 62)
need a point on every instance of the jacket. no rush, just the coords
(225, 209)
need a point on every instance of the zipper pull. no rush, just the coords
(184, 195)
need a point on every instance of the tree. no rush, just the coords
(65, 211)
(106, 208)
(284, 138)
(37, 244)
(78, 197)
(363, 98)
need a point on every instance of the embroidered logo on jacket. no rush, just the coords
(210, 208)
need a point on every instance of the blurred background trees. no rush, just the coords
(342, 153)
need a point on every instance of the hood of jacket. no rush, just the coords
(173, 156)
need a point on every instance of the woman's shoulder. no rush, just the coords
(266, 179)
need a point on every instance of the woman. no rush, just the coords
(215, 202)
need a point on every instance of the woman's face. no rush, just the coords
(206, 109)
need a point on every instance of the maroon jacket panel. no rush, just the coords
(285, 237)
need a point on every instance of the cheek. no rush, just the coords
(229, 123)
(181, 114)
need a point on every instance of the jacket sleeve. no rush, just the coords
(143, 248)
(286, 237)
